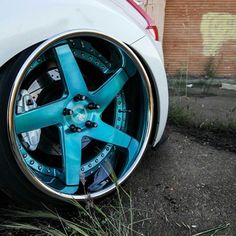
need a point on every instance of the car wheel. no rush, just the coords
(76, 118)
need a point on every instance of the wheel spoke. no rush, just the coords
(73, 77)
(71, 149)
(132, 152)
(110, 134)
(109, 90)
(40, 117)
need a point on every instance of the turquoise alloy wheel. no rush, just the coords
(79, 117)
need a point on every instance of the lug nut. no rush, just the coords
(75, 129)
(90, 124)
(30, 102)
(79, 97)
(67, 112)
(93, 106)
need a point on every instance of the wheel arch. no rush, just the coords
(151, 56)
(155, 99)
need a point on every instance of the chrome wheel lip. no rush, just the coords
(12, 102)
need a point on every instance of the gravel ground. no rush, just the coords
(186, 188)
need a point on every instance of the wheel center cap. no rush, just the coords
(81, 114)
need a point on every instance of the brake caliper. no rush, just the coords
(26, 103)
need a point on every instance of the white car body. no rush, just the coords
(36, 21)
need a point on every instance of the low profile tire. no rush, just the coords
(76, 117)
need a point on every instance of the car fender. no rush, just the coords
(27, 22)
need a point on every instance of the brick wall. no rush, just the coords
(200, 34)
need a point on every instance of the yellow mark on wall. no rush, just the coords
(216, 29)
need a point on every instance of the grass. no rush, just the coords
(214, 132)
(213, 231)
(91, 220)
(179, 82)
(203, 87)
(114, 219)
(185, 116)
(179, 116)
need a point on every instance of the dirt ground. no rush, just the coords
(186, 188)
